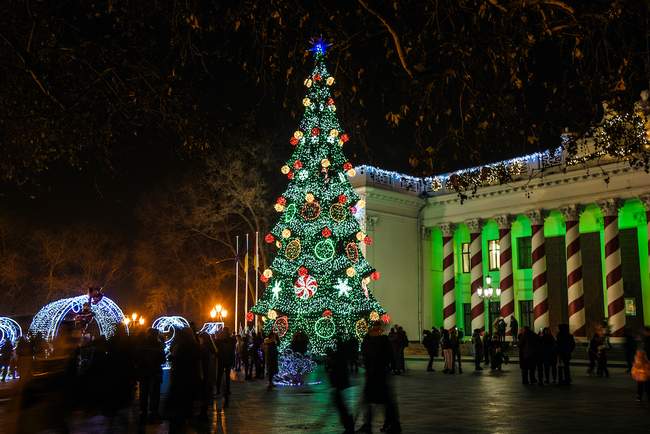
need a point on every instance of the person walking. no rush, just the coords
(184, 379)
(514, 329)
(150, 356)
(271, 357)
(208, 354)
(336, 364)
(427, 342)
(602, 349)
(549, 356)
(376, 351)
(501, 329)
(565, 344)
(641, 374)
(455, 348)
(478, 349)
(447, 352)
(226, 350)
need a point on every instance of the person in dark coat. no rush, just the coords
(528, 353)
(447, 352)
(514, 329)
(454, 342)
(208, 354)
(549, 356)
(150, 356)
(565, 344)
(629, 347)
(427, 342)
(393, 339)
(501, 330)
(185, 380)
(352, 347)
(259, 353)
(403, 343)
(271, 356)
(478, 349)
(376, 351)
(336, 364)
(487, 347)
(226, 348)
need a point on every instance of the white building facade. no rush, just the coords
(564, 243)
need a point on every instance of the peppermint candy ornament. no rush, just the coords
(305, 287)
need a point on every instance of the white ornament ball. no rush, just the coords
(329, 81)
(272, 314)
(352, 173)
(351, 272)
(306, 102)
(325, 162)
(360, 236)
(286, 233)
(309, 197)
(285, 169)
(278, 207)
(268, 273)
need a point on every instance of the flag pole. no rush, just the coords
(257, 267)
(236, 282)
(246, 285)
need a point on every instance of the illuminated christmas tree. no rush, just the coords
(319, 281)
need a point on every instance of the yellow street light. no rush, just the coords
(218, 308)
(141, 321)
(213, 313)
(126, 321)
(224, 313)
(134, 316)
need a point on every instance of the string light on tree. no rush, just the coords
(317, 235)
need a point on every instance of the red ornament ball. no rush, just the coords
(297, 164)
(317, 77)
(249, 316)
(344, 137)
(375, 275)
(315, 131)
(269, 238)
(330, 101)
(326, 232)
(281, 200)
(290, 175)
(327, 313)
(343, 198)
(367, 241)
(302, 271)
(263, 278)
(347, 166)
(385, 318)
(293, 141)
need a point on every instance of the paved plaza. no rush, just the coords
(428, 402)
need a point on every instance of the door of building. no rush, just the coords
(494, 312)
(526, 314)
(556, 281)
(467, 319)
(631, 279)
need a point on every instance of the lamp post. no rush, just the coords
(488, 292)
(218, 313)
(136, 320)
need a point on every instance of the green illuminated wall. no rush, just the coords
(632, 215)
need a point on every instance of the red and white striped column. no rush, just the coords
(613, 270)
(505, 270)
(540, 288)
(448, 274)
(575, 290)
(476, 274)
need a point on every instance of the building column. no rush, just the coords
(540, 288)
(476, 274)
(448, 277)
(505, 269)
(613, 270)
(575, 290)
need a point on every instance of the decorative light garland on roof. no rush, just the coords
(473, 177)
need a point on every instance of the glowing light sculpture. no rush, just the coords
(10, 329)
(212, 328)
(107, 314)
(167, 326)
